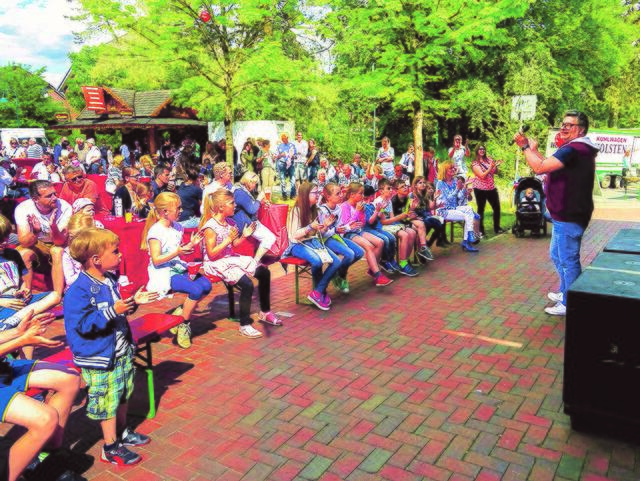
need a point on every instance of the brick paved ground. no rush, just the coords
(453, 375)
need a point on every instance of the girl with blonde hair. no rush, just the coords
(71, 267)
(220, 236)
(162, 236)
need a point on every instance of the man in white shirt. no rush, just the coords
(41, 170)
(94, 159)
(42, 231)
(300, 172)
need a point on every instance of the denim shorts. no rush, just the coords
(22, 369)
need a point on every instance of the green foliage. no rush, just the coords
(27, 102)
(456, 62)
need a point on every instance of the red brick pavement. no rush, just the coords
(452, 375)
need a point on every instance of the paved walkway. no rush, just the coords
(453, 375)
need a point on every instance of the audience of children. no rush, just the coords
(336, 220)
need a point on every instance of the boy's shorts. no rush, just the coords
(393, 228)
(109, 389)
(22, 369)
(6, 313)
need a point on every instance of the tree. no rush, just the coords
(406, 52)
(27, 103)
(225, 52)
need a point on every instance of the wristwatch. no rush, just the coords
(525, 147)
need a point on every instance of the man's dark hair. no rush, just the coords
(583, 120)
(383, 182)
(192, 173)
(159, 170)
(34, 187)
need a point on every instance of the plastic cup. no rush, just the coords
(128, 217)
(127, 290)
(193, 268)
(267, 194)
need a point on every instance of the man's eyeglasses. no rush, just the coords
(76, 179)
(567, 125)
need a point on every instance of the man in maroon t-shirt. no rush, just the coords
(570, 177)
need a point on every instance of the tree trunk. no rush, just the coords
(418, 119)
(228, 126)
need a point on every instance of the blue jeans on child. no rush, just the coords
(349, 250)
(389, 250)
(196, 289)
(564, 251)
(320, 279)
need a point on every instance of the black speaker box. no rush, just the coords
(602, 347)
(625, 241)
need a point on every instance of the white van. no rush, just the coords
(23, 134)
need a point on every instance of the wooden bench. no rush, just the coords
(302, 268)
(145, 331)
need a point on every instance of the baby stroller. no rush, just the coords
(529, 200)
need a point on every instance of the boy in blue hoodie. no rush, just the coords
(100, 339)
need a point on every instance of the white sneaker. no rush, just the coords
(555, 296)
(558, 310)
(250, 331)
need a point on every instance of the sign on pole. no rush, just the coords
(523, 107)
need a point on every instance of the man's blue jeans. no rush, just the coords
(565, 253)
(285, 173)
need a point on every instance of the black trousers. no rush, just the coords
(245, 285)
(482, 196)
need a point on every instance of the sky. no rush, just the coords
(36, 33)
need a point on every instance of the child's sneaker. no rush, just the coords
(383, 280)
(250, 331)
(183, 338)
(120, 456)
(425, 253)
(395, 266)
(132, 438)
(269, 318)
(386, 267)
(326, 299)
(176, 312)
(317, 299)
(344, 286)
(407, 270)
